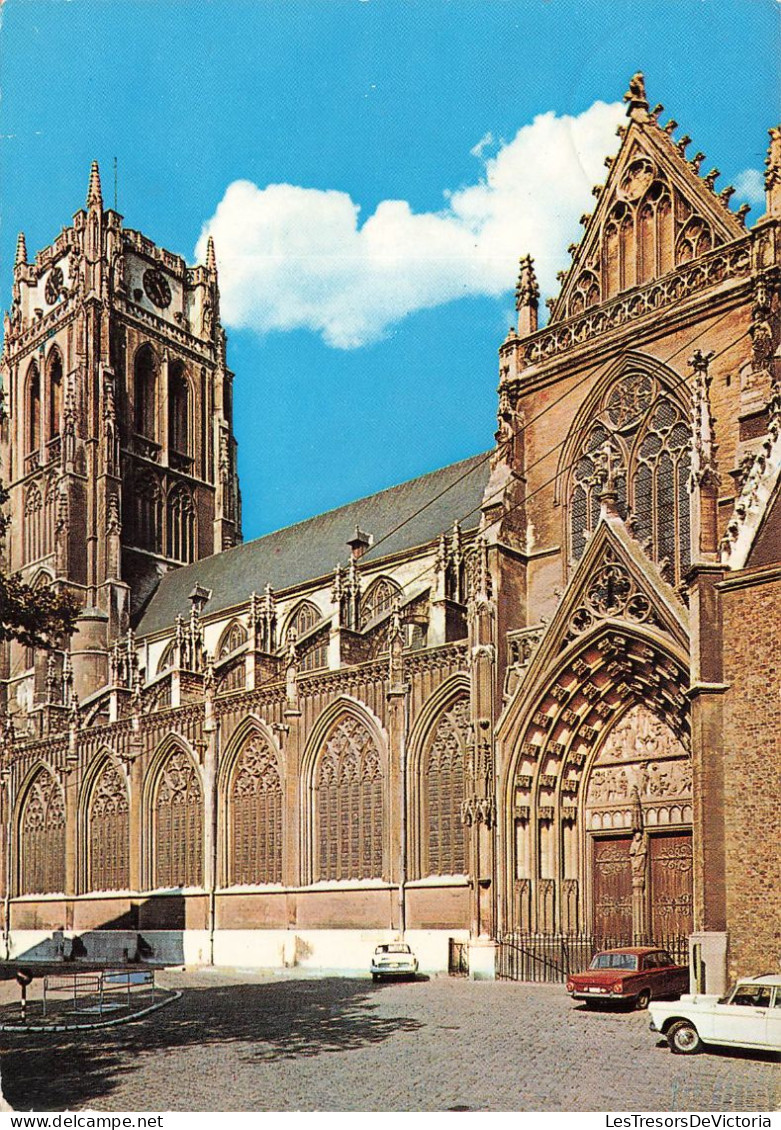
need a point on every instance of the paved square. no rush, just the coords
(248, 1043)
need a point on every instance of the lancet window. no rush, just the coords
(255, 815)
(146, 392)
(178, 409)
(108, 823)
(33, 409)
(177, 816)
(302, 620)
(42, 837)
(443, 789)
(642, 429)
(55, 393)
(349, 818)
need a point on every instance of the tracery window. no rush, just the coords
(180, 523)
(55, 393)
(255, 816)
(648, 437)
(378, 599)
(148, 513)
(443, 788)
(178, 409)
(302, 620)
(146, 392)
(33, 524)
(166, 659)
(33, 409)
(42, 837)
(49, 513)
(349, 818)
(177, 816)
(108, 859)
(234, 636)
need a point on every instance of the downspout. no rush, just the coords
(403, 844)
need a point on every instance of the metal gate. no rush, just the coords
(457, 958)
(552, 957)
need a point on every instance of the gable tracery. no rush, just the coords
(645, 430)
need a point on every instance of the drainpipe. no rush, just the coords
(403, 844)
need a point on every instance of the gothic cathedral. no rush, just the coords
(537, 698)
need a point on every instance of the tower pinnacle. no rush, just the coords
(211, 258)
(94, 192)
(21, 251)
(527, 294)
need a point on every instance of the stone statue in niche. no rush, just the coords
(638, 853)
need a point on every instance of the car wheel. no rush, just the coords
(643, 999)
(592, 1005)
(375, 976)
(683, 1038)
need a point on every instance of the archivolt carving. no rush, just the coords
(640, 734)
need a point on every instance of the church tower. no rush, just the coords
(117, 438)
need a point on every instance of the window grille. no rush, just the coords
(42, 837)
(349, 817)
(178, 824)
(255, 818)
(109, 833)
(443, 792)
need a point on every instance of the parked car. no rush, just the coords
(749, 1016)
(394, 959)
(633, 976)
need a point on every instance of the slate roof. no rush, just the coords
(311, 549)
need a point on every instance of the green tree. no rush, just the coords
(36, 617)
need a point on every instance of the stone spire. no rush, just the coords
(211, 258)
(94, 192)
(773, 174)
(527, 296)
(20, 259)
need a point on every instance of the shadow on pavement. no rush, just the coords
(283, 1020)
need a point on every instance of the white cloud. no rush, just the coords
(293, 258)
(750, 186)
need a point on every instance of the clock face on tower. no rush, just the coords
(157, 289)
(53, 286)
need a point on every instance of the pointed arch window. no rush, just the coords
(348, 805)
(33, 410)
(108, 833)
(234, 636)
(33, 524)
(303, 618)
(180, 522)
(148, 513)
(442, 791)
(42, 837)
(55, 393)
(177, 817)
(647, 431)
(255, 815)
(166, 659)
(146, 392)
(178, 409)
(379, 599)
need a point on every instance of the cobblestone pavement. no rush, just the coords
(244, 1042)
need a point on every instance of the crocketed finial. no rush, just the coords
(20, 259)
(94, 192)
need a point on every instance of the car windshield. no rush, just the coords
(393, 947)
(614, 961)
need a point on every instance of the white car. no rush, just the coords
(749, 1016)
(394, 959)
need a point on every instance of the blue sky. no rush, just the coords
(408, 163)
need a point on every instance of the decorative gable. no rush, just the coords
(654, 214)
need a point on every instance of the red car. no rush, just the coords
(632, 975)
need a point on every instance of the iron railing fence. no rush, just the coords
(523, 956)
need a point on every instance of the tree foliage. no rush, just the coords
(36, 617)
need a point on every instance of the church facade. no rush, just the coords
(538, 696)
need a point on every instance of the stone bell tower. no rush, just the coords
(117, 439)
